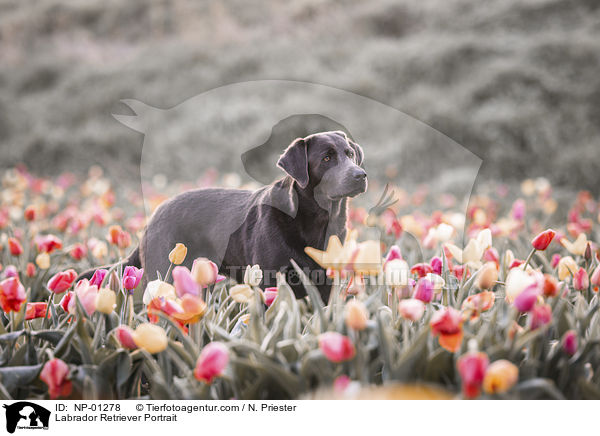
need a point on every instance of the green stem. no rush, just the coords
(528, 259)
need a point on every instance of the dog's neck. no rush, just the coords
(316, 210)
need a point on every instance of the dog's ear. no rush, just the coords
(294, 161)
(358, 150)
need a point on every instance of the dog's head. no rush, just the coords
(329, 161)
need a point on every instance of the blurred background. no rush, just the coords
(515, 82)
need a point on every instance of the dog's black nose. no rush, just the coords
(360, 175)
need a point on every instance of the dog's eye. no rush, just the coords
(350, 154)
(326, 158)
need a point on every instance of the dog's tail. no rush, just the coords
(132, 260)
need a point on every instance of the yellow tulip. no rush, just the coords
(151, 338)
(578, 247)
(566, 267)
(106, 300)
(241, 293)
(487, 277)
(356, 315)
(500, 376)
(42, 260)
(177, 254)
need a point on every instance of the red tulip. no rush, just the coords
(35, 310)
(541, 241)
(472, 367)
(78, 251)
(125, 336)
(421, 269)
(212, 361)
(48, 243)
(270, 295)
(15, 247)
(184, 282)
(132, 277)
(62, 281)
(12, 294)
(336, 347)
(29, 213)
(447, 323)
(55, 374)
(581, 280)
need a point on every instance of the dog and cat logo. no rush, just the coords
(26, 415)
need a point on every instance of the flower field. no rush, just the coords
(414, 313)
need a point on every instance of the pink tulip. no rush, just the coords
(595, 280)
(86, 294)
(98, 277)
(541, 241)
(132, 277)
(11, 271)
(184, 282)
(525, 301)
(411, 309)
(555, 260)
(540, 316)
(518, 210)
(570, 342)
(472, 367)
(424, 290)
(581, 280)
(336, 347)
(55, 374)
(125, 337)
(48, 243)
(393, 254)
(270, 294)
(436, 265)
(212, 361)
(62, 281)
(64, 302)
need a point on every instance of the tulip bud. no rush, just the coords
(356, 315)
(158, 288)
(35, 310)
(150, 337)
(487, 277)
(411, 309)
(555, 260)
(540, 316)
(541, 241)
(29, 213)
(581, 280)
(253, 275)
(595, 280)
(588, 252)
(270, 295)
(125, 337)
(570, 342)
(62, 281)
(15, 247)
(424, 290)
(42, 260)
(500, 377)
(177, 254)
(12, 294)
(336, 347)
(204, 272)
(30, 271)
(106, 301)
(212, 361)
(472, 367)
(241, 293)
(526, 300)
(55, 374)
